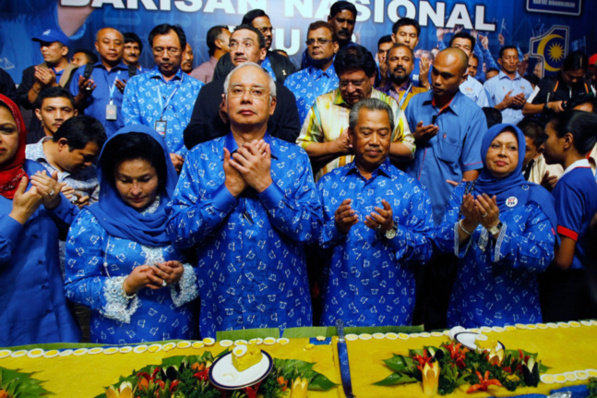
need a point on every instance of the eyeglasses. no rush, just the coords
(247, 45)
(169, 50)
(321, 41)
(356, 83)
(257, 92)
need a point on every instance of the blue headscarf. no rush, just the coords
(120, 219)
(513, 186)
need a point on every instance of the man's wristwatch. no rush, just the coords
(495, 229)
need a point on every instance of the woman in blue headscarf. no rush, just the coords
(501, 227)
(119, 261)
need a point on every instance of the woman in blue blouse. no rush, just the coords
(33, 308)
(119, 261)
(501, 227)
(565, 293)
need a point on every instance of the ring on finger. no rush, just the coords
(52, 192)
(164, 283)
(378, 227)
(484, 215)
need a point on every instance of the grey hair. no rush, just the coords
(272, 84)
(372, 104)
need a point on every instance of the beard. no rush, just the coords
(399, 79)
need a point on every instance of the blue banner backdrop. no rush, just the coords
(545, 29)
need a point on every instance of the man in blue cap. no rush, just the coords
(54, 71)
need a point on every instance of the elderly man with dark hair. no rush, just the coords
(247, 203)
(163, 98)
(210, 120)
(320, 77)
(324, 134)
(218, 39)
(278, 66)
(377, 223)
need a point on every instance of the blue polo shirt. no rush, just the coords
(96, 103)
(455, 149)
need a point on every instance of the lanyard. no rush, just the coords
(405, 95)
(164, 107)
(113, 86)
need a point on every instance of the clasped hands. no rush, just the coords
(380, 219)
(153, 277)
(249, 166)
(480, 210)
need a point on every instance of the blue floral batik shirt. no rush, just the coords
(308, 84)
(497, 279)
(251, 261)
(370, 280)
(148, 99)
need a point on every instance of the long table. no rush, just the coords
(568, 349)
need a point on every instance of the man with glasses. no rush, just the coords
(210, 119)
(278, 66)
(324, 134)
(163, 98)
(320, 77)
(247, 204)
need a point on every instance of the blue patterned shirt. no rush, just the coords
(370, 280)
(149, 98)
(497, 279)
(84, 182)
(308, 84)
(96, 267)
(251, 267)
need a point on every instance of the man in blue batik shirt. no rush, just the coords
(320, 77)
(100, 94)
(163, 98)
(377, 221)
(247, 203)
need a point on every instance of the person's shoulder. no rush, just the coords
(193, 82)
(200, 150)
(31, 167)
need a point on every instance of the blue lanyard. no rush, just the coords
(164, 107)
(404, 96)
(113, 86)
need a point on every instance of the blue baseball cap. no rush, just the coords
(51, 36)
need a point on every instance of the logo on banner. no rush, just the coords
(551, 48)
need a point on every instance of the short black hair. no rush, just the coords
(81, 130)
(252, 15)
(91, 57)
(130, 37)
(340, 6)
(53, 92)
(534, 130)
(212, 35)
(132, 146)
(503, 49)
(532, 78)
(492, 70)
(260, 37)
(406, 22)
(384, 39)
(463, 35)
(322, 24)
(576, 60)
(355, 57)
(582, 126)
(164, 29)
(492, 116)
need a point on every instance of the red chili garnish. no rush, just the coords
(484, 383)
(423, 359)
(457, 354)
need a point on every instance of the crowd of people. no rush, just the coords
(145, 204)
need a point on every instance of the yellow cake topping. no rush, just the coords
(245, 356)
